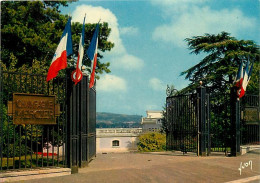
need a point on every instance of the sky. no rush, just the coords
(150, 51)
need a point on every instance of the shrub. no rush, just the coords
(152, 141)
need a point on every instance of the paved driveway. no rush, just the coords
(165, 167)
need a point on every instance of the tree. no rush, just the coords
(31, 30)
(224, 55)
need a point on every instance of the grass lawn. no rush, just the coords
(31, 162)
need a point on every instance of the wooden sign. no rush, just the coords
(33, 109)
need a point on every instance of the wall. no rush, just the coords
(126, 144)
(127, 137)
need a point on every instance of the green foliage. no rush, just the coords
(10, 137)
(22, 82)
(152, 141)
(223, 57)
(30, 161)
(220, 124)
(29, 26)
(35, 28)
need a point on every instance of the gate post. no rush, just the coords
(84, 115)
(235, 122)
(201, 111)
(77, 110)
(68, 146)
(72, 131)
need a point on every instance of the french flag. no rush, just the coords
(63, 50)
(239, 78)
(77, 74)
(247, 76)
(92, 55)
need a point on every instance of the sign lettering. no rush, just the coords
(33, 109)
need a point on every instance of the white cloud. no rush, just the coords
(93, 15)
(171, 2)
(111, 83)
(156, 84)
(199, 21)
(176, 6)
(129, 30)
(128, 62)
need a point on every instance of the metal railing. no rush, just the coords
(31, 145)
(69, 142)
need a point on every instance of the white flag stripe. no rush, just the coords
(81, 52)
(61, 47)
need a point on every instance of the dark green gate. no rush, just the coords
(206, 123)
(182, 123)
(68, 143)
(220, 122)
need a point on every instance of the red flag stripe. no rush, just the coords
(92, 78)
(57, 65)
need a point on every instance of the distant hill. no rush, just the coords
(111, 120)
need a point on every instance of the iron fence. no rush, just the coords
(71, 141)
(30, 145)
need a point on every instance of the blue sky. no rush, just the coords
(150, 51)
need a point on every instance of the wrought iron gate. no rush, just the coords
(30, 145)
(188, 122)
(68, 143)
(182, 123)
(206, 123)
(220, 123)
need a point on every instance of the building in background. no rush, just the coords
(117, 139)
(153, 121)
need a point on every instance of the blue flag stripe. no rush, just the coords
(92, 46)
(67, 30)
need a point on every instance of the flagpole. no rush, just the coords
(71, 61)
(82, 66)
(77, 74)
